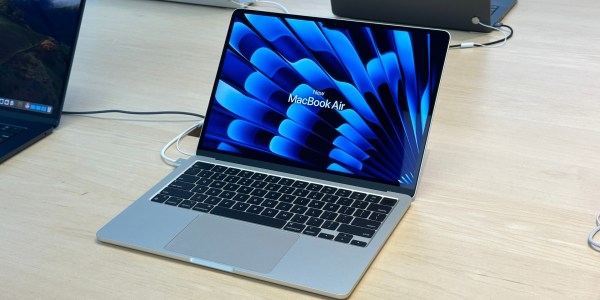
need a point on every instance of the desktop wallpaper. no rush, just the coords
(36, 40)
(327, 96)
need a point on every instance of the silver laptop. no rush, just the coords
(309, 156)
(37, 45)
(458, 14)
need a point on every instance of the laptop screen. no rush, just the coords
(37, 40)
(327, 95)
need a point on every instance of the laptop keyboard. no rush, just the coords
(326, 212)
(8, 131)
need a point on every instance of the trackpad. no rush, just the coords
(233, 243)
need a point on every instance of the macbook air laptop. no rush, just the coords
(457, 14)
(220, 3)
(309, 156)
(37, 42)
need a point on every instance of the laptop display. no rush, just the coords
(346, 99)
(37, 40)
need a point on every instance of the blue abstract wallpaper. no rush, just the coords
(326, 95)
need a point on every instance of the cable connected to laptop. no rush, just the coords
(119, 111)
(595, 245)
(497, 43)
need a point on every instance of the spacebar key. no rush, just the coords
(248, 217)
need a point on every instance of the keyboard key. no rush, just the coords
(299, 184)
(248, 217)
(187, 178)
(203, 165)
(255, 209)
(231, 187)
(366, 223)
(360, 213)
(200, 189)
(326, 236)
(316, 204)
(315, 195)
(299, 218)
(330, 225)
(232, 179)
(286, 181)
(313, 212)
(232, 171)
(295, 227)
(217, 184)
(343, 193)
(245, 182)
(360, 204)
(245, 174)
(373, 198)
(388, 202)
(259, 192)
(331, 207)
(177, 193)
(272, 187)
(204, 181)
(346, 219)
(284, 215)
(213, 192)
(314, 222)
(345, 201)
(343, 238)
(377, 217)
(226, 203)
(219, 169)
(314, 187)
(284, 206)
(212, 200)
(245, 190)
(199, 197)
(203, 207)
(301, 201)
(272, 179)
(354, 230)
(259, 176)
(346, 210)
(382, 209)
(327, 215)
(286, 190)
(269, 212)
(173, 201)
(358, 243)
(272, 195)
(240, 206)
(160, 198)
(330, 198)
(205, 174)
(299, 209)
(313, 231)
(187, 204)
(329, 190)
(287, 198)
(269, 203)
(241, 197)
(218, 176)
(227, 195)
(301, 193)
(259, 184)
(358, 196)
(254, 200)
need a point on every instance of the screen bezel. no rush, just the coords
(296, 168)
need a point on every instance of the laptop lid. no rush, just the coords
(37, 44)
(430, 13)
(331, 99)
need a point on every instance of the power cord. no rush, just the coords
(272, 3)
(497, 43)
(176, 140)
(595, 245)
(119, 111)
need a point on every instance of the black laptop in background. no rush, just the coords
(37, 43)
(457, 14)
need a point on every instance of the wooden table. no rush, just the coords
(509, 189)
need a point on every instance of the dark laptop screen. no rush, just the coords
(327, 95)
(37, 40)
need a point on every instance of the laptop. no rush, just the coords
(309, 155)
(458, 14)
(37, 43)
(219, 3)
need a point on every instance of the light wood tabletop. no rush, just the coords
(508, 192)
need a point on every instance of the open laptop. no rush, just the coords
(309, 156)
(37, 43)
(458, 14)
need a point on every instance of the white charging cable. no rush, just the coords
(595, 245)
(176, 140)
